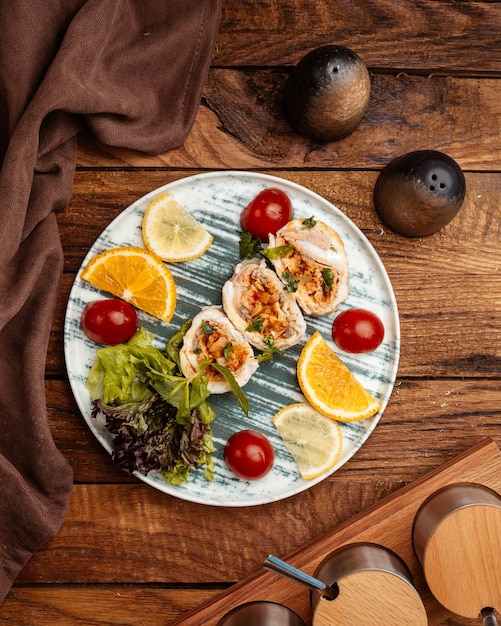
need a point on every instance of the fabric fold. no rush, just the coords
(130, 71)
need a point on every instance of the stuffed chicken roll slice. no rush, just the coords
(316, 267)
(212, 336)
(257, 304)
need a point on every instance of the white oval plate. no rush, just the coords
(216, 200)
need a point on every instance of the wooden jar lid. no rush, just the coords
(375, 587)
(457, 536)
(372, 597)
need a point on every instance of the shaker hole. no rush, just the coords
(335, 588)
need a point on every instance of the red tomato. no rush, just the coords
(249, 454)
(357, 330)
(270, 210)
(109, 322)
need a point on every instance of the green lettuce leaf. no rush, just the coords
(117, 374)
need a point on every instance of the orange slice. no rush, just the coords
(137, 276)
(329, 386)
(313, 440)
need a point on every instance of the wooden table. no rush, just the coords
(128, 554)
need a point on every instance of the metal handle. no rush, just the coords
(274, 564)
(489, 617)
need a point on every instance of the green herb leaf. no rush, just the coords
(228, 349)
(290, 281)
(328, 276)
(207, 329)
(234, 386)
(206, 412)
(269, 352)
(249, 245)
(277, 253)
(255, 325)
(183, 393)
(309, 222)
(175, 342)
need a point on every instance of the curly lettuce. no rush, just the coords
(160, 419)
(147, 437)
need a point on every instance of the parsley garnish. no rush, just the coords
(227, 351)
(270, 350)
(207, 328)
(309, 222)
(328, 276)
(278, 252)
(256, 324)
(290, 281)
(249, 246)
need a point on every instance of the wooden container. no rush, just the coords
(457, 539)
(375, 587)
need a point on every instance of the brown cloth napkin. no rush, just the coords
(131, 71)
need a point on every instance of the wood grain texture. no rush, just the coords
(461, 558)
(424, 36)
(388, 524)
(130, 555)
(374, 597)
(101, 605)
(111, 605)
(134, 534)
(241, 125)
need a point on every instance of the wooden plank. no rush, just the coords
(105, 605)
(462, 412)
(426, 36)
(240, 125)
(136, 534)
(98, 605)
(388, 524)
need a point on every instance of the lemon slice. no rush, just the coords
(313, 440)
(329, 386)
(172, 233)
(136, 276)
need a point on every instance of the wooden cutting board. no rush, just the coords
(389, 523)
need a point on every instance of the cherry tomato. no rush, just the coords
(249, 454)
(270, 210)
(109, 322)
(357, 330)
